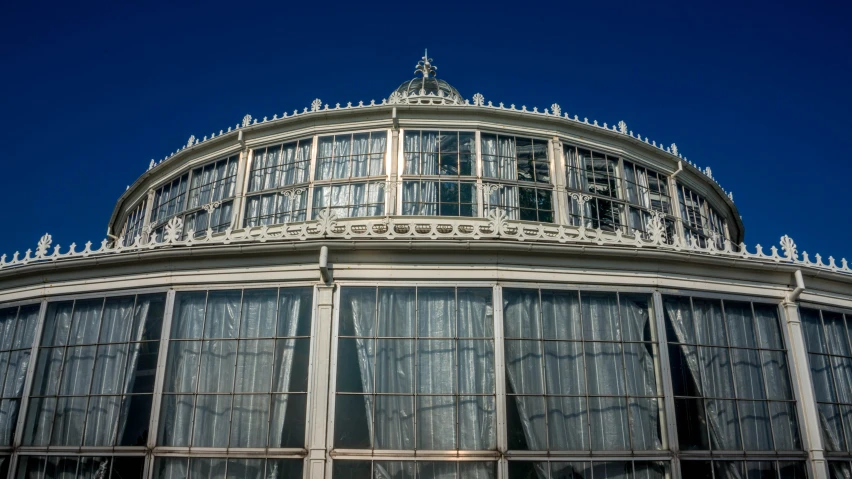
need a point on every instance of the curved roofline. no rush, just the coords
(319, 110)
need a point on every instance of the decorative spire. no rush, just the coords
(425, 67)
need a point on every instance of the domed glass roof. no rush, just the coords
(426, 85)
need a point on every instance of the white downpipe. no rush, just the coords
(323, 265)
(800, 286)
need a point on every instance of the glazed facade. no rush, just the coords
(576, 305)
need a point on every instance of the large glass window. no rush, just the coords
(188, 194)
(830, 358)
(436, 163)
(440, 153)
(520, 171)
(94, 377)
(701, 223)
(597, 175)
(581, 371)
(279, 167)
(443, 198)
(81, 467)
(730, 376)
(415, 369)
(647, 192)
(218, 467)
(343, 164)
(17, 327)
(357, 155)
(237, 369)
(133, 224)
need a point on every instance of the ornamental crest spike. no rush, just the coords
(622, 127)
(425, 66)
(674, 149)
(246, 121)
(191, 141)
(316, 104)
(478, 99)
(556, 109)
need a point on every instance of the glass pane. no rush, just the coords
(436, 366)
(353, 417)
(259, 313)
(740, 324)
(526, 423)
(600, 316)
(254, 366)
(287, 423)
(747, 375)
(436, 315)
(567, 424)
(176, 420)
(560, 313)
(393, 469)
(691, 423)
(477, 423)
(223, 313)
(396, 312)
(521, 313)
(249, 422)
(212, 420)
(645, 423)
(608, 418)
(436, 422)
(768, 331)
(524, 367)
(639, 359)
(394, 422)
(436, 470)
(754, 417)
(395, 366)
(785, 426)
(216, 372)
(565, 367)
(476, 366)
(636, 312)
(605, 368)
(724, 429)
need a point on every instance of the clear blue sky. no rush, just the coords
(759, 92)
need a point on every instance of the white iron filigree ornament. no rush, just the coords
(674, 149)
(395, 98)
(326, 220)
(191, 141)
(209, 207)
(789, 248)
(246, 121)
(556, 109)
(622, 127)
(43, 245)
(497, 221)
(174, 229)
(708, 172)
(657, 228)
(316, 104)
(478, 99)
(152, 164)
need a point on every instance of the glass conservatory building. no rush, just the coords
(426, 286)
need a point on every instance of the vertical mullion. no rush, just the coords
(311, 189)
(159, 376)
(456, 362)
(416, 334)
(665, 379)
(499, 371)
(373, 392)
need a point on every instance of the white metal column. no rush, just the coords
(319, 387)
(798, 357)
(557, 177)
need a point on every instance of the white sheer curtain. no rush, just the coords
(341, 161)
(234, 378)
(420, 198)
(489, 156)
(448, 370)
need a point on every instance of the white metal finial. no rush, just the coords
(425, 66)
(191, 141)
